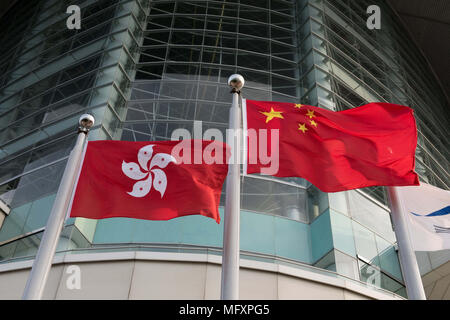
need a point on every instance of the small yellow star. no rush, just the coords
(272, 114)
(310, 114)
(298, 105)
(302, 127)
(313, 123)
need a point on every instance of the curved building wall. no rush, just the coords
(125, 275)
(147, 68)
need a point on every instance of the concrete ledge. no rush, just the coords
(319, 277)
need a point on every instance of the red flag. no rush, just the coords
(150, 180)
(372, 145)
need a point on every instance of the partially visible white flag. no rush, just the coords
(427, 212)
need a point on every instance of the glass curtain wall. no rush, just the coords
(344, 65)
(190, 49)
(50, 76)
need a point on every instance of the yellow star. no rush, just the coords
(313, 123)
(310, 114)
(302, 127)
(298, 105)
(272, 114)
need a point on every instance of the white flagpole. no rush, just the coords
(230, 254)
(408, 261)
(43, 261)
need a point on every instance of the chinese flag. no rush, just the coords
(144, 180)
(372, 145)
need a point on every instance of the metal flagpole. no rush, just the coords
(43, 261)
(408, 261)
(230, 254)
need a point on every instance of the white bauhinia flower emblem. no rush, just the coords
(132, 170)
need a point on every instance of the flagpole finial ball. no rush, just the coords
(86, 121)
(236, 81)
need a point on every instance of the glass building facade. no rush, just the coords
(145, 68)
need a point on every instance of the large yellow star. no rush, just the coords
(310, 114)
(272, 114)
(298, 105)
(313, 123)
(302, 127)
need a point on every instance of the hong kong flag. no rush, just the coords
(151, 180)
(372, 145)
